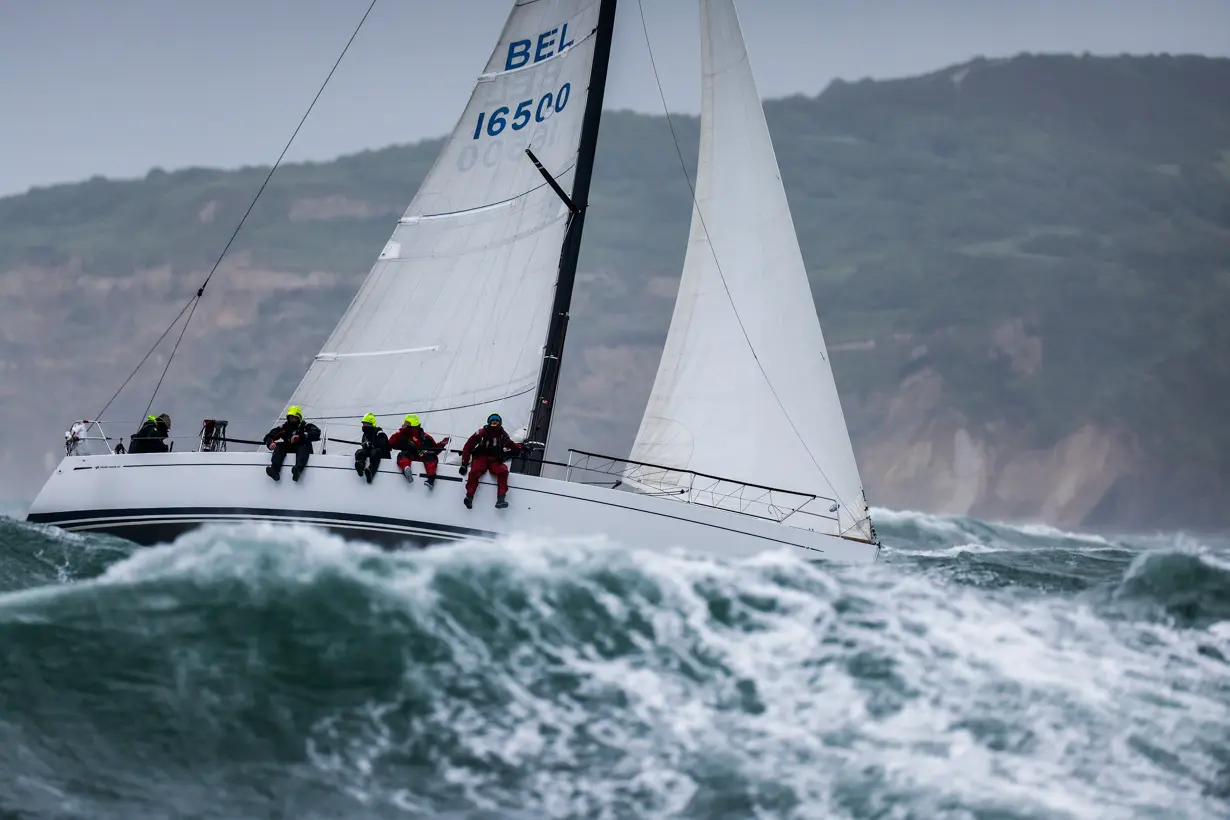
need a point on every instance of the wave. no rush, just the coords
(34, 554)
(1184, 588)
(259, 670)
(1026, 556)
(930, 526)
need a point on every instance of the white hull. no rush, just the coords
(151, 499)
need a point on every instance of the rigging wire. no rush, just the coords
(145, 358)
(195, 300)
(713, 252)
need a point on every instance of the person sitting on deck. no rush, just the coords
(295, 436)
(415, 444)
(488, 448)
(151, 437)
(374, 447)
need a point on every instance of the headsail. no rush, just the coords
(451, 320)
(744, 388)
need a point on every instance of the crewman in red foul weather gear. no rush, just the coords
(416, 445)
(488, 448)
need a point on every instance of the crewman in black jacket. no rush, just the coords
(375, 446)
(150, 438)
(295, 436)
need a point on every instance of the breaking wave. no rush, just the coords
(980, 670)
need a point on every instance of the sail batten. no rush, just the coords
(452, 319)
(412, 220)
(330, 356)
(744, 388)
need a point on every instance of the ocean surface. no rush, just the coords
(978, 671)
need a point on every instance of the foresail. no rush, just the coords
(744, 389)
(451, 320)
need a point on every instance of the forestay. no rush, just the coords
(451, 321)
(744, 389)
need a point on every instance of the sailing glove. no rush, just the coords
(463, 469)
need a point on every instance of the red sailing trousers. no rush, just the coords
(481, 465)
(429, 464)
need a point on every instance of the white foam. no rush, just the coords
(868, 680)
(942, 524)
(962, 527)
(1047, 669)
(1037, 530)
(952, 552)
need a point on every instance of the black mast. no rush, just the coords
(540, 419)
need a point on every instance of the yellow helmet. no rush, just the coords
(294, 410)
(370, 418)
(412, 420)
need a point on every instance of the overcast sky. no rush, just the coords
(116, 87)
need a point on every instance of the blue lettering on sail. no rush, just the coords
(518, 54)
(519, 50)
(543, 43)
(543, 108)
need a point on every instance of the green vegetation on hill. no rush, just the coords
(1050, 234)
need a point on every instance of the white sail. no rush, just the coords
(451, 321)
(744, 388)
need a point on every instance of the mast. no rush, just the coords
(553, 351)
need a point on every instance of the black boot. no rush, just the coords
(500, 503)
(370, 473)
(358, 467)
(468, 501)
(295, 472)
(431, 481)
(276, 475)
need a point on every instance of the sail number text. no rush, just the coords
(539, 110)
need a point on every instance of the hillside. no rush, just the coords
(1022, 268)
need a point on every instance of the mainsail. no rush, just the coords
(744, 388)
(451, 321)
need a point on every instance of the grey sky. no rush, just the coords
(115, 87)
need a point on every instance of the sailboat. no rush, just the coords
(743, 446)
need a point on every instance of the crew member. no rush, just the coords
(294, 436)
(151, 437)
(488, 448)
(374, 447)
(416, 444)
(75, 438)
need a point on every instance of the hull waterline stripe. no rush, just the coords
(114, 523)
(94, 519)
